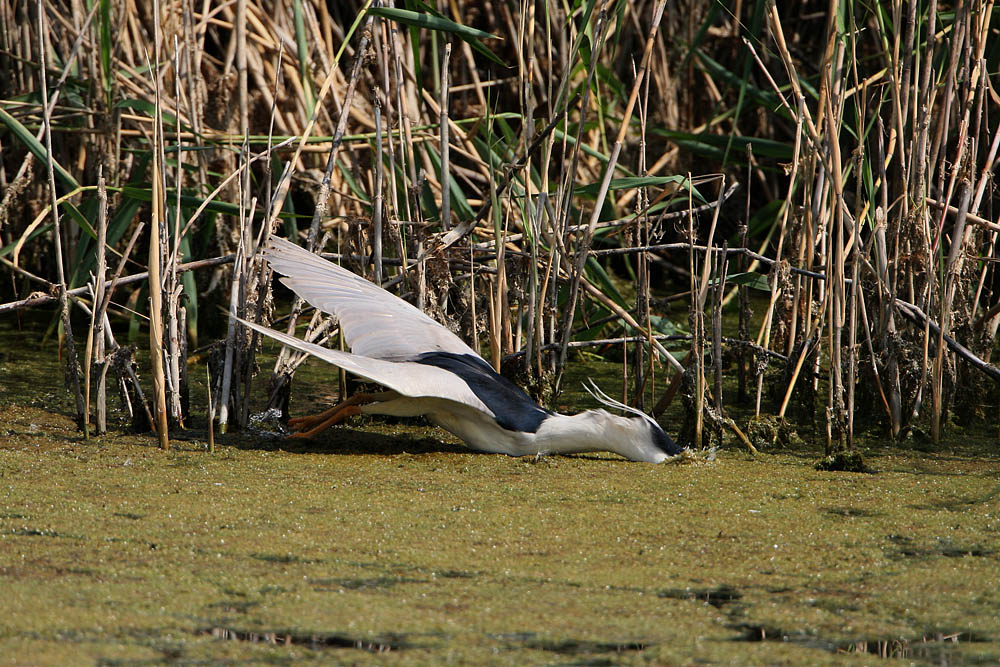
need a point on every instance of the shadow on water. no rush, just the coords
(572, 647)
(369, 584)
(717, 597)
(592, 652)
(851, 512)
(410, 438)
(314, 641)
(939, 648)
(284, 559)
(905, 547)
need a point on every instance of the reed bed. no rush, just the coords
(541, 177)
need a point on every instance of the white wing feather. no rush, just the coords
(406, 377)
(376, 323)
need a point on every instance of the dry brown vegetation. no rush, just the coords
(536, 175)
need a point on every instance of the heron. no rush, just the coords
(427, 370)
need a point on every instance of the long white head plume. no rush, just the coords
(604, 399)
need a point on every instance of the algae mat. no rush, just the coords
(119, 553)
(392, 543)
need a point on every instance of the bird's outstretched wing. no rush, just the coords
(406, 377)
(376, 323)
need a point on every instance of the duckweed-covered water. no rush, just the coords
(391, 542)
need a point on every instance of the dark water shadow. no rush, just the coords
(314, 641)
(284, 558)
(905, 547)
(363, 584)
(43, 532)
(717, 597)
(571, 646)
(939, 647)
(851, 512)
(344, 441)
(959, 504)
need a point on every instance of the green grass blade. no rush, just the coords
(104, 20)
(630, 182)
(432, 20)
(35, 146)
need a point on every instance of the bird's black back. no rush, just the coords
(513, 409)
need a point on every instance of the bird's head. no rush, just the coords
(639, 438)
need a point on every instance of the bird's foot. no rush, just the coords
(312, 425)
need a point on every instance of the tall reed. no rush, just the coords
(519, 170)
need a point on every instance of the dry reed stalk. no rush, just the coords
(834, 260)
(401, 110)
(281, 374)
(210, 409)
(379, 196)
(855, 297)
(95, 342)
(720, 260)
(254, 270)
(172, 311)
(155, 258)
(699, 298)
(584, 245)
(51, 96)
(641, 239)
(71, 360)
(566, 185)
(899, 223)
(804, 127)
(886, 326)
(445, 152)
(230, 363)
(695, 321)
(143, 276)
(743, 304)
(104, 326)
(263, 284)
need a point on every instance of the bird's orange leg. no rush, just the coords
(308, 427)
(336, 418)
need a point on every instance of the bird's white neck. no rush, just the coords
(597, 431)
